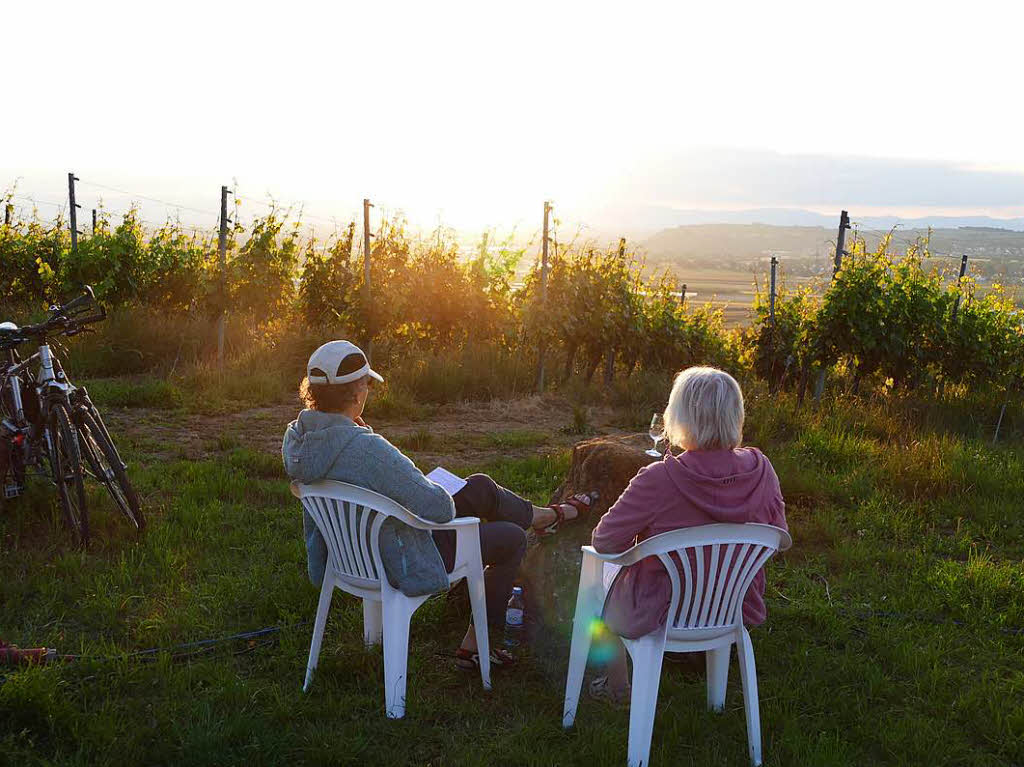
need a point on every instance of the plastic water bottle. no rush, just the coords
(514, 618)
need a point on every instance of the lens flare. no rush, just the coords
(603, 647)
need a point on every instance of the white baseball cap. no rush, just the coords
(339, 362)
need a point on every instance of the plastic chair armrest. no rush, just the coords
(455, 524)
(613, 558)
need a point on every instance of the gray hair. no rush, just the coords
(705, 410)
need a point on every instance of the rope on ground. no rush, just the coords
(190, 649)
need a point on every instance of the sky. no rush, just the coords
(474, 113)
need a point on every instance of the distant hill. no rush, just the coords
(644, 220)
(810, 249)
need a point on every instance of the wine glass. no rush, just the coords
(657, 433)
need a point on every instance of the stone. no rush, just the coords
(551, 567)
(605, 464)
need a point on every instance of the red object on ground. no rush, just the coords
(13, 656)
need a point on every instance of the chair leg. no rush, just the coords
(478, 601)
(718, 676)
(373, 622)
(322, 608)
(647, 654)
(748, 675)
(587, 605)
(397, 612)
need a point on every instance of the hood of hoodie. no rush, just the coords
(727, 485)
(313, 442)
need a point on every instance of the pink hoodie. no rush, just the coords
(698, 487)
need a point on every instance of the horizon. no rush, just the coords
(630, 220)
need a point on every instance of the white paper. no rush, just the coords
(447, 480)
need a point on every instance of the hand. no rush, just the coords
(360, 422)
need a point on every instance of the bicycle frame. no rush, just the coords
(57, 430)
(50, 383)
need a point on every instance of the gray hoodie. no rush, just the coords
(320, 445)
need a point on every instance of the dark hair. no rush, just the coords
(332, 398)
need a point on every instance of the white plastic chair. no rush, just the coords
(349, 519)
(705, 615)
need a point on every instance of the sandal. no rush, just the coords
(582, 502)
(467, 660)
(600, 690)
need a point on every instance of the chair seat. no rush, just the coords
(695, 640)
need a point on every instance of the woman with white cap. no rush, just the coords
(330, 440)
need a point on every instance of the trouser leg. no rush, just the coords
(502, 538)
(483, 497)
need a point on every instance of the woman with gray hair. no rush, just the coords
(713, 480)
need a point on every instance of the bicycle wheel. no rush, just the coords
(66, 463)
(106, 466)
(12, 455)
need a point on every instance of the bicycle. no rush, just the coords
(56, 430)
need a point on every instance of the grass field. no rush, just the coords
(729, 289)
(733, 290)
(894, 633)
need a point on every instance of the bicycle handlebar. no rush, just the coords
(61, 319)
(87, 297)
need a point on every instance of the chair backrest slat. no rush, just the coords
(339, 519)
(364, 542)
(698, 589)
(350, 518)
(711, 569)
(352, 536)
(683, 614)
(712, 614)
(709, 589)
(758, 556)
(738, 561)
(320, 510)
(715, 616)
(325, 520)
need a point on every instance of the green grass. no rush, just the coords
(146, 392)
(893, 634)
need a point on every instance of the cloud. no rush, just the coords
(727, 178)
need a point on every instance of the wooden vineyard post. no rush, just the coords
(844, 224)
(94, 221)
(999, 423)
(73, 209)
(222, 252)
(543, 294)
(367, 290)
(771, 320)
(959, 279)
(8, 214)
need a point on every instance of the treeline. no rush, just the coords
(883, 321)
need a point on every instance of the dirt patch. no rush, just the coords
(465, 433)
